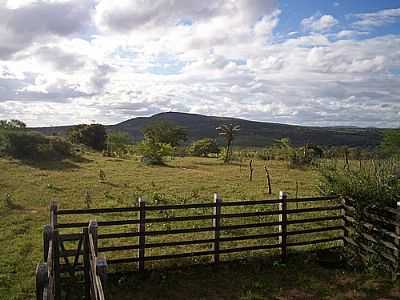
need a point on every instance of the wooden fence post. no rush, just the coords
(42, 280)
(344, 223)
(56, 265)
(47, 237)
(86, 261)
(92, 229)
(283, 226)
(101, 270)
(216, 225)
(397, 243)
(251, 169)
(53, 213)
(141, 230)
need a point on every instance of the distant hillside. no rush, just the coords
(252, 134)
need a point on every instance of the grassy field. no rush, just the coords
(182, 180)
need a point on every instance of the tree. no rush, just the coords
(154, 153)
(159, 141)
(164, 132)
(228, 131)
(204, 147)
(118, 141)
(93, 135)
(391, 142)
(12, 124)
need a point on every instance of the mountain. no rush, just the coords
(252, 133)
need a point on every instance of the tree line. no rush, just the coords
(162, 139)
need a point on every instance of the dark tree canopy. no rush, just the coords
(164, 132)
(12, 124)
(228, 131)
(204, 147)
(93, 135)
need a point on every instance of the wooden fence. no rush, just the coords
(281, 224)
(48, 274)
(374, 233)
(277, 235)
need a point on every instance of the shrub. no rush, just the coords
(375, 186)
(118, 143)
(153, 153)
(93, 135)
(24, 144)
(377, 183)
(204, 147)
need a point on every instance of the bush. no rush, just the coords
(204, 147)
(93, 135)
(153, 153)
(377, 183)
(375, 186)
(117, 144)
(24, 144)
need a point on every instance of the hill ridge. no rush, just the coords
(252, 133)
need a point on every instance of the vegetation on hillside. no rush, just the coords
(18, 142)
(91, 135)
(117, 144)
(391, 143)
(204, 147)
(253, 134)
(160, 140)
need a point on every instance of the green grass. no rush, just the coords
(301, 278)
(182, 180)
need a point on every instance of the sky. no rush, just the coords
(318, 63)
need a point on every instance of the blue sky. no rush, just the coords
(319, 63)
(294, 11)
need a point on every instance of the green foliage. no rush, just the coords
(24, 144)
(374, 186)
(12, 124)
(93, 135)
(391, 142)
(228, 131)
(204, 147)
(153, 153)
(377, 183)
(118, 142)
(163, 132)
(159, 141)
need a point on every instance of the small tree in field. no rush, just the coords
(164, 132)
(159, 141)
(204, 147)
(117, 142)
(93, 135)
(228, 132)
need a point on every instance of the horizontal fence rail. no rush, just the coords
(273, 224)
(373, 232)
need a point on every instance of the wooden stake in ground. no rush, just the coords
(268, 179)
(102, 176)
(251, 170)
(346, 159)
(88, 199)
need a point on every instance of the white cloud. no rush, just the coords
(350, 34)
(319, 24)
(377, 19)
(213, 57)
(39, 21)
